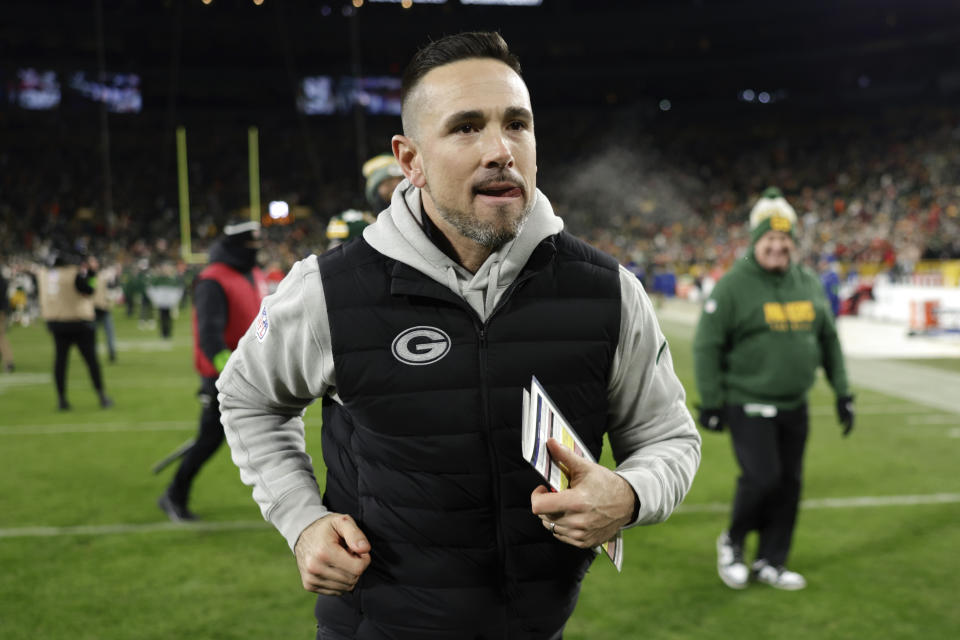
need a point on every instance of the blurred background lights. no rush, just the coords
(748, 95)
(278, 208)
(665, 105)
(763, 97)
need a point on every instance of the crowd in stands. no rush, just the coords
(875, 191)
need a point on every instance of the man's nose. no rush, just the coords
(497, 151)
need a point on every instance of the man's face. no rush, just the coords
(774, 250)
(476, 157)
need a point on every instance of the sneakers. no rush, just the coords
(176, 511)
(730, 565)
(105, 401)
(777, 577)
(735, 574)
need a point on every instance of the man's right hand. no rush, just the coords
(711, 419)
(331, 554)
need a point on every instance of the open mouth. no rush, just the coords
(499, 190)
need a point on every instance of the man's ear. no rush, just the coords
(408, 157)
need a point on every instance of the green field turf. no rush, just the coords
(876, 572)
(949, 364)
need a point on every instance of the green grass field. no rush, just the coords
(86, 554)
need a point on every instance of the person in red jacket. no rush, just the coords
(227, 297)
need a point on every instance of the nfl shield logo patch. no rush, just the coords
(262, 325)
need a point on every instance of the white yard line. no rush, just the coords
(923, 385)
(103, 427)
(934, 419)
(906, 409)
(14, 380)
(148, 344)
(115, 529)
(106, 427)
(841, 503)
(909, 412)
(244, 525)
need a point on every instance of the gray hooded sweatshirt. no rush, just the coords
(285, 362)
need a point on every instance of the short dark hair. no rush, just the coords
(461, 46)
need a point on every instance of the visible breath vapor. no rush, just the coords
(622, 188)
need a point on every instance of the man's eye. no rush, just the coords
(518, 125)
(465, 128)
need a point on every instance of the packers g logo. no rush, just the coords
(779, 223)
(420, 345)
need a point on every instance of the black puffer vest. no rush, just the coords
(425, 451)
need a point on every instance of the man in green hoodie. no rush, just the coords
(764, 330)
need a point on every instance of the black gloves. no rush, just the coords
(711, 419)
(845, 413)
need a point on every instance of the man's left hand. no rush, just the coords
(845, 413)
(597, 504)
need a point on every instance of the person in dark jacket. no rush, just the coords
(66, 291)
(6, 353)
(419, 337)
(227, 295)
(765, 329)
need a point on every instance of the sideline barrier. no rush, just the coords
(922, 308)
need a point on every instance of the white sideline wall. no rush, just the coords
(892, 302)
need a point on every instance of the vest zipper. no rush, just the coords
(491, 448)
(480, 326)
(494, 459)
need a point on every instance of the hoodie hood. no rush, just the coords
(233, 254)
(398, 234)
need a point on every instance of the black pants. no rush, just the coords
(65, 335)
(770, 454)
(209, 438)
(166, 323)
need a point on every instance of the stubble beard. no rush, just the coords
(490, 235)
